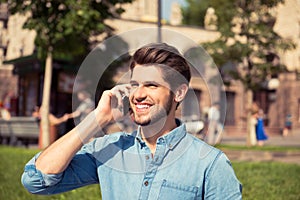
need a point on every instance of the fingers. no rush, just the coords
(119, 92)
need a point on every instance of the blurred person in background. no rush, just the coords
(260, 130)
(85, 107)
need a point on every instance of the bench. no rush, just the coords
(19, 129)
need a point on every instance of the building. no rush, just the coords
(277, 100)
(21, 73)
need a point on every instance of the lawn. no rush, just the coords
(267, 180)
(11, 168)
(258, 148)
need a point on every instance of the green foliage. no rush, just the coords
(247, 38)
(194, 12)
(65, 26)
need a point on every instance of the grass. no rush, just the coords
(266, 180)
(258, 148)
(11, 168)
(269, 180)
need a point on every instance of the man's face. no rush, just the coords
(151, 99)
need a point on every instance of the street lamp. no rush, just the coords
(158, 21)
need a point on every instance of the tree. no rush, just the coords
(194, 12)
(63, 31)
(248, 42)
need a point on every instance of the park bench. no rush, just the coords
(24, 130)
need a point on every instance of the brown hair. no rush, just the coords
(166, 57)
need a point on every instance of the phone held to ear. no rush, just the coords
(126, 104)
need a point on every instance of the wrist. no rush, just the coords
(90, 126)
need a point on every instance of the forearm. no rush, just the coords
(57, 156)
(75, 114)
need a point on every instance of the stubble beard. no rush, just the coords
(154, 116)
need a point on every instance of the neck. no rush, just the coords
(152, 132)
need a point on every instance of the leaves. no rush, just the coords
(65, 25)
(247, 38)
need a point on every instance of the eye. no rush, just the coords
(134, 84)
(151, 85)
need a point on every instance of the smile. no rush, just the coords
(142, 107)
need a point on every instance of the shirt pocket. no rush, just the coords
(173, 191)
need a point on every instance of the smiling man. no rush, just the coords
(159, 160)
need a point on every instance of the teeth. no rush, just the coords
(142, 106)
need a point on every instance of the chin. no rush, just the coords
(142, 122)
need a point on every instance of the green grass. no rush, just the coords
(13, 161)
(269, 180)
(266, 180)
(257, 148)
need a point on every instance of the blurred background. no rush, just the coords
(254, 44)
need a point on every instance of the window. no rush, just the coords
(191, 106)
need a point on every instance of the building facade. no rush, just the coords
(277, 102)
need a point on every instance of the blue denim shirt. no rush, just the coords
(183, 167)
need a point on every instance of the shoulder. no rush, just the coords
(204, 150)
(114, 140)
(210, 156)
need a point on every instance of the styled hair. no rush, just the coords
(167, 58)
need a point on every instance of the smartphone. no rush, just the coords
(126, 104)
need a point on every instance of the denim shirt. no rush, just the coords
(183, 167)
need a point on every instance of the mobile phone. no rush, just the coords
(126, 104)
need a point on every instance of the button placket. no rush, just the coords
(151, 167)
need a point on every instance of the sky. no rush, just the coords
(166, 7)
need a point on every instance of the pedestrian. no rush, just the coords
(85, 107)
(260, 130)
(214, 124)
(54, 122)
(4, 112)
(253, 123)
(159, 160)
(287, 125)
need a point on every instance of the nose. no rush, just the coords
(139, 93)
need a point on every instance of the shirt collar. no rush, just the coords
(171, 139)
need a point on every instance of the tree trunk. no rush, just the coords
(249, 96)
(45, 124)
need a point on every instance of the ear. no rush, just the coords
(181, 92)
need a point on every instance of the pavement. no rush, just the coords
(291, 140)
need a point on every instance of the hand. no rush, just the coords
(110, 106)
(66, 116)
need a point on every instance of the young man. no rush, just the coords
(158, 161)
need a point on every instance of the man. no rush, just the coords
(158, 161)
(85, 107)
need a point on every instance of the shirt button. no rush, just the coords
(161, 140)
(146, 183)
(147, 157)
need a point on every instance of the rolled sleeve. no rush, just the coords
(81, 171)
(37, 182)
